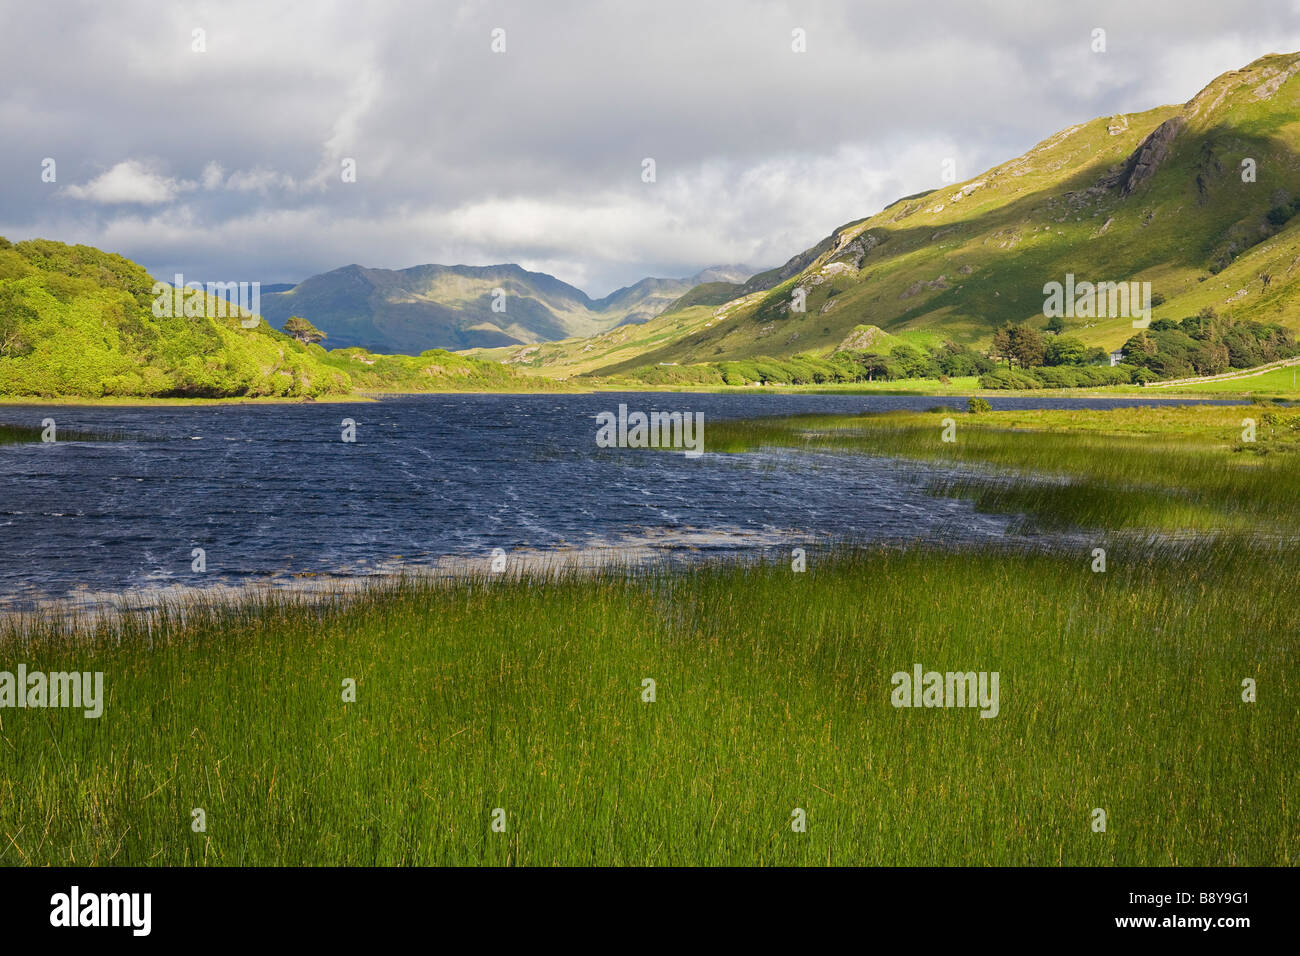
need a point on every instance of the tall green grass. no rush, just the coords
(1119, 690)
(1166, 469)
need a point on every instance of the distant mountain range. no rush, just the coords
(434, 306)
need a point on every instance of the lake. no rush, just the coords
(270, 492)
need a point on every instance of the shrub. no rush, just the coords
(1005, 378)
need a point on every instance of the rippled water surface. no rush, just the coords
(271, 490)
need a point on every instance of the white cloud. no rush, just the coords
(213, 176)
(130, 181)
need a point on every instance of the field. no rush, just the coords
(1120, 690)
(1277, 381)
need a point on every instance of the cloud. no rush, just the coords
(129, 181)
(534, 155)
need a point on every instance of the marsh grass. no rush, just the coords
(1118, 690)
(20, 434)
(1169, 469)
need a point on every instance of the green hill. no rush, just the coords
(1160, 196)
(75, 321)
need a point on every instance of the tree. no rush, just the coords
(1002, 344)
(1027, 346)
(910, 359)
(1140, 344)
(1210, 359)
(1056, 325)
(874, 365)
(1066, 350)
(303, 331)
(12, 341)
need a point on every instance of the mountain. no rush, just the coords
(644, 300)
(75, 321)
(460, 307)
(1196, 199)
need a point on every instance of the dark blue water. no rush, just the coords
(272, 490)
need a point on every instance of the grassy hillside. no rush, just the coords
(1156, 196)
(619, 346)
(75, 321)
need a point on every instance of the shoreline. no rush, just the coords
(85, 611)
(371, 397)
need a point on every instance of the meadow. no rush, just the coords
(1121, 690)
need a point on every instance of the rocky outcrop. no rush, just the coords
(854, 251)
(1146, 159)
(860, 339)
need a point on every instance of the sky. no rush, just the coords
(487, 132)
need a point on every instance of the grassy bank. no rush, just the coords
(1118, 691)
(1166, 468)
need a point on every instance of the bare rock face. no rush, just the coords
(855, 251)
(1146, 159)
